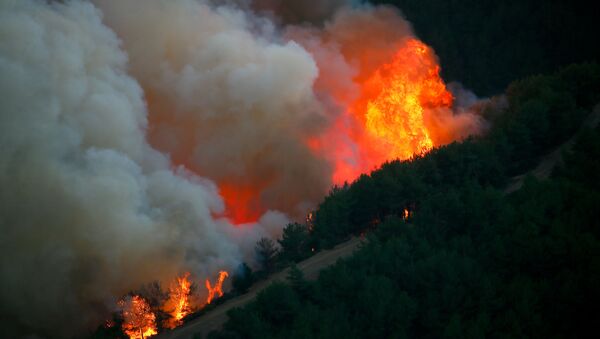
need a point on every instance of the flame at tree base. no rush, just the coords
(139, 319)
(178, 305)
(217, 289)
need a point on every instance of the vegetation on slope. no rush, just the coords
(450, 255)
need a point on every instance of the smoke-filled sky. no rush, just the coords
(134, 135)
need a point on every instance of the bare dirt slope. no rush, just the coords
(214, 319)
(549, 161)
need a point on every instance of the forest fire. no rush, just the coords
(350, 105)
(398, 93)
(178, 305)
(208, 143)
(217, 289)
(139, 321)
(390, 119)
(390, 116)
(139, 317)
(400, 108)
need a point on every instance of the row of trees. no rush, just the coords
(469, 260)
(293, 247)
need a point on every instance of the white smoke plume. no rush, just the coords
(88, 210)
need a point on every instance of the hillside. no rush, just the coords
(469, 261)
(311, 267)
(215, 319)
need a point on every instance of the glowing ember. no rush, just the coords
(178, 305)
(217, 289)
(310, 221)
(138, 320)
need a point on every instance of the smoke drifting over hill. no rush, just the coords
(135, 135)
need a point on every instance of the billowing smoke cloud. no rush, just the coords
(229, 100)
(132, 134)
(88, 210)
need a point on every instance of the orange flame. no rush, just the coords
(217, 289)
(138, 320)
(401, 90)
(241, 202)
(392, 108)
(178, 305)
(394, 102)
(389, 120)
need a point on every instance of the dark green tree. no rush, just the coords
(243, 278)
(266, 253)
(298, 282)
(294, 243)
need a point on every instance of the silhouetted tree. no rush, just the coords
(298, 282)
(243, 278)
(294, 242)
(266, 253)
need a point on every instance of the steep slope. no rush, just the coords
(218, 316)
(549, 161)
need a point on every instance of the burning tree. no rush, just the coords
(217, 289)
(178, 305)
(139, 321)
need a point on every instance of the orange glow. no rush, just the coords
(217, 289)
(138, 320)
(394, 114)
(405, 214)
(389, 119)
(241, 203)
(310, 221)
(178, 305)
(393, 104)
